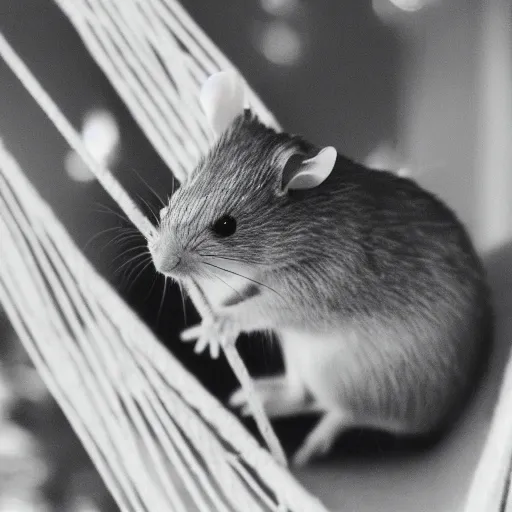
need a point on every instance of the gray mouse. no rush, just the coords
(371, 284)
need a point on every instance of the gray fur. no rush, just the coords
(366, 254)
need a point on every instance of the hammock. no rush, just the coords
(159, 440)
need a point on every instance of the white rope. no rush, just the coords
(133, 213)
(89, 400)
(113, 187)
(135, 384)
(58, 383)
(139, 46)
(127, 39)
(242, 375)
(493, 470)
(174, 21)
(123, 392)
(170, 21)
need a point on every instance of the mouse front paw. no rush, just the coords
(220, 331)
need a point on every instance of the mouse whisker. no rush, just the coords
(132, 259)
(109, 211)
(228, 285)
(183, 304)
(128, 251)
(245, 277)
(153, 214)
(155, 279)
(149, 187)
(145, 261)
(193, 248)
(160, 309)
(137, 268)
(104, 232)
(238, 260)
(123, 238)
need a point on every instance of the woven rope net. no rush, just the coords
(159, 440)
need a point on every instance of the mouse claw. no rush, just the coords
(213, 334)
(192, 333)
(214, 349)
(201, 344)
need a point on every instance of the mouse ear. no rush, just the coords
(223, 99)
(301, 174)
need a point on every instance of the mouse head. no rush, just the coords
(234, 213)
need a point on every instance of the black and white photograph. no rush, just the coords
(255, 256)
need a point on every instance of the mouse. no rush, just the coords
(371, 284)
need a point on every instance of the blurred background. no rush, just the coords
(423, 86)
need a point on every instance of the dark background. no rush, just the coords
(368, 75)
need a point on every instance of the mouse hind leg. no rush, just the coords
(352, 387)
(281, 396)
(333, 424)
(322, 438)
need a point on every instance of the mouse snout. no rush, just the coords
(165, 260)
(165, 263)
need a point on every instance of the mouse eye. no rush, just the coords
(224, 226)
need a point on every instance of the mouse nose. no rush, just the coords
(166, 264)
(165, 261)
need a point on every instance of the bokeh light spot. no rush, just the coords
(279, 7)
(101, 137)
(279, 43)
